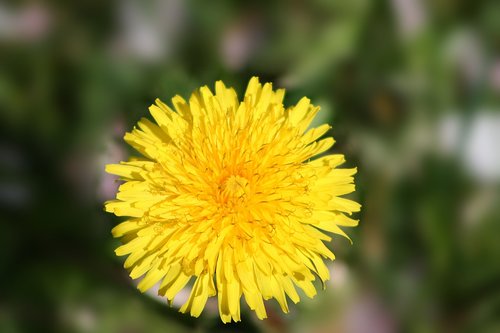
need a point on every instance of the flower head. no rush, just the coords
(228, 194)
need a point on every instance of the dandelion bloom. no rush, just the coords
(228, 194)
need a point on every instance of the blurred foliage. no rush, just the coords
(412, 89)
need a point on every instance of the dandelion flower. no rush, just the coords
(229, 195)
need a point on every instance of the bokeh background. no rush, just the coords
(411, 87)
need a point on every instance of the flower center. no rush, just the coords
(234, 188)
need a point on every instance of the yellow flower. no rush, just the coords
(228, 194)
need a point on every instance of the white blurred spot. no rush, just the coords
(482, 148)
(149, 29)
(339, 275)
(240, 41)
(410, 16)
(476, 142)
(466, 51)
(85, 319)
(495, 76)
(368, 314)
(81, 318)
(29, 23)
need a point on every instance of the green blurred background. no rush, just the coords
(411, 87)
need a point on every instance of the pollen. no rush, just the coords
(235, 189)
